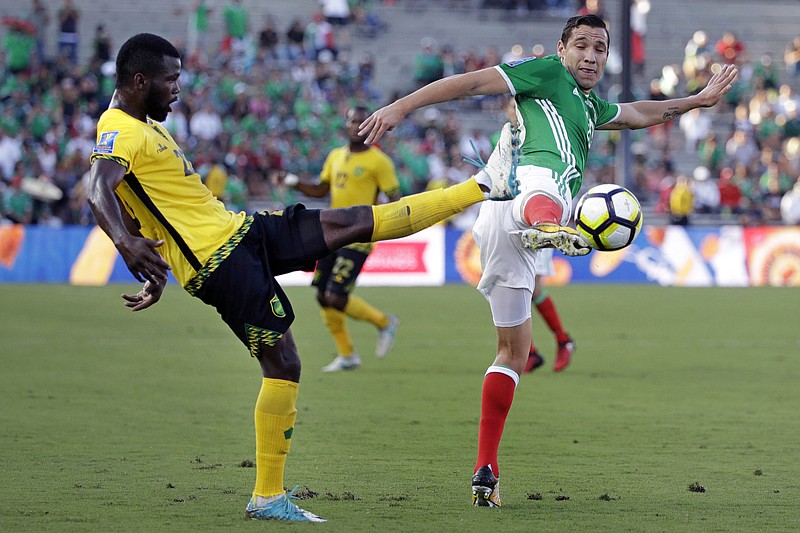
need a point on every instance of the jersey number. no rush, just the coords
(187, 166)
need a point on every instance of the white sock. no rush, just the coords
(260, 500)
(485, 181)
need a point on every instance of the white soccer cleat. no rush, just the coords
(386, 337)
(341, 362)
(501, 169)
(564, 239)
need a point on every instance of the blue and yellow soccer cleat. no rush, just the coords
(386, 337)
(280, 509)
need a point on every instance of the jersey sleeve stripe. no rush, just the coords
(507, 79)
(133, 182)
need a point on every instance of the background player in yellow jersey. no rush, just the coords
(149, 200)
(353, 174)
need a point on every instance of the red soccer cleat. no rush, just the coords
(535, 360)
(563, 355)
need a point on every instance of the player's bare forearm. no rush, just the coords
(646, 113)
(486, 81)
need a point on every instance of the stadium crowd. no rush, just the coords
(274, 99)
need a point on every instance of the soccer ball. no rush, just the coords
(609, 216)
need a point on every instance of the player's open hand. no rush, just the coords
(381, 121)
(718, 86)
(149, 295)
(143, 260)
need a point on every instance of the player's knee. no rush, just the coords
(332, 299)
(347, 225)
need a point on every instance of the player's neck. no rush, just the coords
(355, 148)
(120, 101)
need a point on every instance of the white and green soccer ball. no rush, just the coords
(609, 216)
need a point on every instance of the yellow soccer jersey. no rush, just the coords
(163, 193)
(356, 178)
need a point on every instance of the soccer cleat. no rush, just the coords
(563, 355)
(535, 360)
(564, 239)
(502, 165)
(341, 362)
(485, 488)
(386, 337)
(280, 509)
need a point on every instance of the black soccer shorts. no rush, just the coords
(242, 285)
(337, 272)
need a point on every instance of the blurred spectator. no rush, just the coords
(336, 12)
(17, 204)
(591, 7)
(681, 201)
(709, 153)
(695, 125)
(765, 73)
(792, 58)
(198, 28)
(268, 38)
(741, 149)
(236, 19)
(729, 48)
(68, 19)
(295, 39)
(790, 205)
(770, 201)
(101, 44)
(428, 65)
(696, 55)
(19, 44)
(705, 191)
(638, 21)
(730, 197)
(10, 153)
(206, 124)
(319, 37)
(39, 18)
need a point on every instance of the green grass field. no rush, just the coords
(143, 422)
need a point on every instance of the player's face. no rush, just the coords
(585, 54)
(163, 90)
(353, 122)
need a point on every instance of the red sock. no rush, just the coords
(498, 393)
(540, 208)
(548, 311)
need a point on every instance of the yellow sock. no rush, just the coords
(419, 211)
(275, 415)
(360, 309)
(334, 320)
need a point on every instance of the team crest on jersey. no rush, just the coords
(105, 145)
(277, 307)
(513, 64)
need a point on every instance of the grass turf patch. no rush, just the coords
(143, 421)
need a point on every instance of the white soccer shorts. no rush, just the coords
(505, 261)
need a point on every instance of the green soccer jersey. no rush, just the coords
(557, 119)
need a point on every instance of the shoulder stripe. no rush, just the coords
(133, 182)
(507, 80)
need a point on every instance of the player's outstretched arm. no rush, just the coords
(481, 82)
(646, 113)
(140, 254)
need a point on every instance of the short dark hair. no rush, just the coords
(593, 21)
(143, 53)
